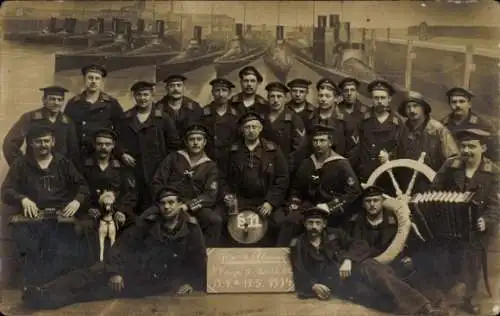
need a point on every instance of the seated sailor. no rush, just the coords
(323, 178)
(326, 262)
(164, 252)
(47, 189)
(378, 226)
(197, 177)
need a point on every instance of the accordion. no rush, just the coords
(45, 214)
(444, 214)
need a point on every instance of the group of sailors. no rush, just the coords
(174, 173)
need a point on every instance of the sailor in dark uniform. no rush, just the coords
(221, 120)
(327, 262)
(378, 227)
(146, 136)
(287, 129)
(327, 114)
(352, 109)
(248, 100)
(473, 172)
(462, 117)
(257, 175)
(163, 253)
(64, 129)
(381, 135)
(105, 173)
(183, 110)
(299, 89)
(39, 181)
(323, 178)
(197, 176)
(93, 109)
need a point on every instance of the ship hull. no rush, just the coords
(59, 39)
(224, 67)
(112, 62)
(185, 65)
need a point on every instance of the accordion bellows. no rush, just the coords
(445, 214)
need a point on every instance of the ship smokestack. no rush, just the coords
(239, 30)
(52, 25)
(91, 23)
(345, 32)
(160, 28)
(140, 25)
(197, 34)
(71, 26)
(249, 28)
(100, 25)
(322, 21)
(115, 25)
(279, 32)
(334, 20)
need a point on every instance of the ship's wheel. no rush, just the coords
(417, 166)
(399, 205)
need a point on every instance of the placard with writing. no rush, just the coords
(249, 270)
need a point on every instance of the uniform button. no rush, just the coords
(165, 266)
(84, 134)
(175, 255)
(83, 123)
(155, 275)
(373, 145)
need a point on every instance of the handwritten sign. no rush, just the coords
(249, 270)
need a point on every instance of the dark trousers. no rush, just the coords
(210, 222)
(92, 284)
(457, 261)
(48, 249)
(376, 285)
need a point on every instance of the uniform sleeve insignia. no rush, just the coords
(395, 121)
(158, 113)
(116, 164)
(288, 116)
(190, 105)
(131, 182)
(37, 115)
(270, 146)
(106, 97)
(488, 167)
(206, 111)
(293, 243)
(350, 181)
(192, 220)
(301, 132)
(213, 186)
(235, 98)
(391, 220)
(367, 115)
(473, 119)
(340, 116)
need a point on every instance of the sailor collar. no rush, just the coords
(202, 160)
(333, 157)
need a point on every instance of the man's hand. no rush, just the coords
(116, 283)
(407, 263)
(128, 160)
(383, 156)
(324, 206)
(322, 291)
(71, 208)
(195, 205)
(185, 289)
(119, 218)
(481, 224)
(30, 209)
(230, 200)
(345, 269)
(266, 209)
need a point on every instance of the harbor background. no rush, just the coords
(440, 62)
